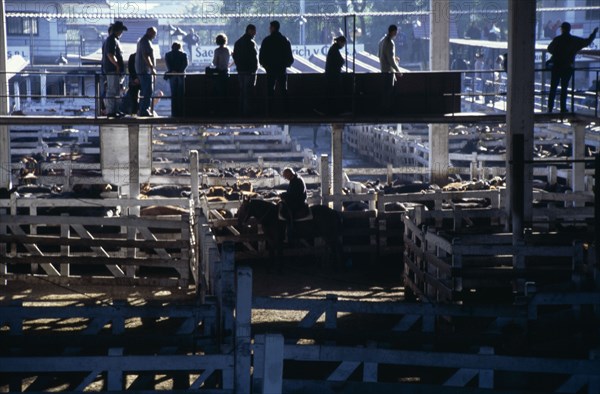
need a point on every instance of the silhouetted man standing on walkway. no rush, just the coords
(275, 56)
(563, 49)
(177, 62)
(145, 66)
(245, 56)
(114, 67)
(389, 66)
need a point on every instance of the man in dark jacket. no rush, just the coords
(563, 49)
(294, 199)
(133, 94)
(275, 56)
(333, 74)
(245, 56)
(295, 196)
(176, 61)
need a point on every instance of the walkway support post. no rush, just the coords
(337, 159)
(5, 175)
(439, 59)
(578, 169)
(519, 119)
(243, 312)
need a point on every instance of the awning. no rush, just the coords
(127, 48)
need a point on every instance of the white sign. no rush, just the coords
(203, 55)
(18, 50)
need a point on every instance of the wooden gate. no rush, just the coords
(123, 250)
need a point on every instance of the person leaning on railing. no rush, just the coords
(563, 49)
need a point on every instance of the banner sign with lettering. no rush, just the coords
(203, 55)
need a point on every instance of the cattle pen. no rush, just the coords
(453, 305)
(150, 253)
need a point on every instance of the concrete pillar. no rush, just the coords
(519, 119)
(337, 160)
(439, 58)
(439, 29)
(578, 176)
(134, 160)
(43, 87)
(5, 178)
(17, 96)
(115, 154)
(28, 88)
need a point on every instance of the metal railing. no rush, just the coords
(484, 89)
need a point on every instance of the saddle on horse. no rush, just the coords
(301, 214)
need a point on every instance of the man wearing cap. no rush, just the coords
(114, 67)
(145, 67)
(563, 49)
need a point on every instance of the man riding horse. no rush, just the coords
(294, 199)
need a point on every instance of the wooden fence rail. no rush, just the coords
(124, 246)
(461, 368)
(440, 269)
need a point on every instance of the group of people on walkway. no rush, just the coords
(275, 56)
(142, 70)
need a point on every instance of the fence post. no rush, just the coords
(3, 251)
(331, 312)
(457, 262)
(186, 251)
(227, 293)
(270, 364)
(486, 376)
(243, 312)
(324, 177)
(65, 249)
(390, 174)
(519, 266)
(194, 176)
(370, 368)
(114, 378)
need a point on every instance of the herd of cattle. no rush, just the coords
(243, 181)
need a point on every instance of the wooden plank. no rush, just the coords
(83, 233)
(91, 221)
(462, 377)
(98, 280)
(148, 236)
(196, 385)
(343, 371)
(33, 249)
(310, 319)
(525, 250)
(88, 380)
(442, 359)
(89, 242)
(349, 387)
(91, 260)
(109, 312)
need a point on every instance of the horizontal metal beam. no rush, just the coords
(458, 118)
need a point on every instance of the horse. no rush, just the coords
(325, 223)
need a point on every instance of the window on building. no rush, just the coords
(592, 15)
(21, 26)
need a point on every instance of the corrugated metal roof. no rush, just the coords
(110, 14)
